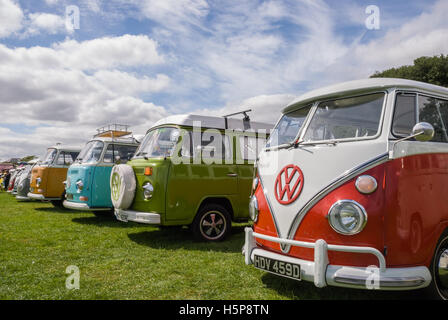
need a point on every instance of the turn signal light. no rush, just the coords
(148, 171)
(366, 184)
(83, 198)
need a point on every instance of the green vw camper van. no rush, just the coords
(191, 170)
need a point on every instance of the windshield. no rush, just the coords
(158, 143)
(288, 127)
(91, 153)
(49, 157)
(347, 118)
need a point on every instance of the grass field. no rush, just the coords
(132, 261)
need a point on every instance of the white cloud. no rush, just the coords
(109, 52)
(73, 87)
(174, 14)
(217, 58)
(45, 22)
(51, 2)
(11, 17)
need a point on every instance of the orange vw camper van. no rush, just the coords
(47, 179)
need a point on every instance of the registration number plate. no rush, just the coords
(285, 269)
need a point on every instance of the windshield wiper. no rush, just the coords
(330, 142)
(281, 146)
(144, 154)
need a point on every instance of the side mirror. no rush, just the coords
(423, 131)
(117, 160)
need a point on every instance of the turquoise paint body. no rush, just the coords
(96, 185)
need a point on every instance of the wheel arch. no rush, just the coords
(220, 200)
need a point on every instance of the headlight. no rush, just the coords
(253, 208)
(255, 184)
(67, 183)
(148, 190)
(79, 186)
(366, 184)
(347, 217)
(38, 181)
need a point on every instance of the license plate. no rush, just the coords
(285, 269)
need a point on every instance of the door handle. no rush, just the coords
(232, 175)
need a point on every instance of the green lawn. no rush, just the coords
(132, 261)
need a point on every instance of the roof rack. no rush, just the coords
(244, 112)
(113, 131)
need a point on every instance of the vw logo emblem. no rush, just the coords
(289, 184)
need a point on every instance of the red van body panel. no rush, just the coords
(402, 224)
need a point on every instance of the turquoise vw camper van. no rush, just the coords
(87, 184)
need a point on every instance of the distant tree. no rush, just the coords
(432, 70)
(27, 158)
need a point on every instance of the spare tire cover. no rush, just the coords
(122, 186)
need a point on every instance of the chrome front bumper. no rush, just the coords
(322, 273)
(35, 196)
(81, 206)
(22, 198)
(137, 216)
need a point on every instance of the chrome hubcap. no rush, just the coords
(213, 225)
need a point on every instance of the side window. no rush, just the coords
(73, 156)
(65, 158)
(214, 145)
(125, 153)
(250, 147)
(431, 110)
(404, 114)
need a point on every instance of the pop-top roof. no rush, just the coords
(66, 148)
(359, 86)
(213, 122)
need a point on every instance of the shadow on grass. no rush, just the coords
(53, 209)
(106, 220)
(175, 238)
(305, 290)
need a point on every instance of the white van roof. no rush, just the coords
(213, 122)
(66, 148)
(359, 86)
(127, 140)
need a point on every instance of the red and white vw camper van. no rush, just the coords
(352, 187)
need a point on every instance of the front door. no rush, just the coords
(207, 170)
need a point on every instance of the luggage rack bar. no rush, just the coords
(113, 131)
(244, 113)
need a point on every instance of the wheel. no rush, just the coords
(104, 213)
(212, 223)
(438, 288)
(59, 203)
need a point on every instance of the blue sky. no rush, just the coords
(139, 60)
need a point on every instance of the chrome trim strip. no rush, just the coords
(392, 282)
(346, 176)
(41, 197)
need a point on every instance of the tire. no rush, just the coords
(212, 223)
(104, 213)
(438, 289)
(122, 186)
(59, 203)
